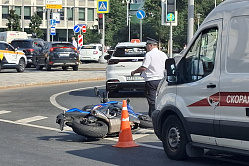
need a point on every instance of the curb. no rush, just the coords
(51, 83)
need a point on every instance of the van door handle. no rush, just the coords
(211, 86)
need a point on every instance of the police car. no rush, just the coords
(11, 58)
(126, 57)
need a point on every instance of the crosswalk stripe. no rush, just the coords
(31, 119)
(4, 112)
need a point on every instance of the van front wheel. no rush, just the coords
(174, 138)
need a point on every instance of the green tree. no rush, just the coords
(34, 25)
(13, 22)
(115, 23)
(154, 28)
(91, 36)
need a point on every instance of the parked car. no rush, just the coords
(11, 58)
(126, 57)
(90, 53)
(31, 47)
(58, 54)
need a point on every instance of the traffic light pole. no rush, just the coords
(171, 41)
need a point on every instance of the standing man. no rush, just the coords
(152, 70)
(74, 42)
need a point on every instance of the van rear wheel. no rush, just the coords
(174, 138)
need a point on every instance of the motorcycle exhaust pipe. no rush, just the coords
(99, 115)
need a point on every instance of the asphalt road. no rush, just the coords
(29, 135)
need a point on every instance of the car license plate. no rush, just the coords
(64, 54)
(134, 78)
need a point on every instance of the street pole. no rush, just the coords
(22, 15)
(101, 59)
(190, 20)
(48, 29)
(129, 29)
(171, 41)
(67, 29)
(127, 12)
(141, 29)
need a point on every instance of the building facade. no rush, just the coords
(73, 12)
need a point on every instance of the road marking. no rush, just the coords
(150, 146)
(31, 119)
(53, 97)
(30, 125)
(4, 112)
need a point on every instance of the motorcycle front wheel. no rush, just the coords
(98, 129)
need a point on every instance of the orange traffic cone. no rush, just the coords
(125, 136)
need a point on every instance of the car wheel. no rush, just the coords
(64, 68)
(75, 68)
(21, 66)
(0, 65)
(48, 67)
(174, 138)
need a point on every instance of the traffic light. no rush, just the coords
(100, 21)
(171, 10)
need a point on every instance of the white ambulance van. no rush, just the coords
(8, 36)
(203, 102)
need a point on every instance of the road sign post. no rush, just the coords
(83, 28)
(80, 40)
(103, 7)
(52, 31)
(76, 28)
(52, 22)
(140, 15)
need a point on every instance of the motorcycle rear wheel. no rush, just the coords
(145, 121)
(98, 129)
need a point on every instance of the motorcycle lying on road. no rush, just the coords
(98, 121)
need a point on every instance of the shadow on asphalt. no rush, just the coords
(68, 137)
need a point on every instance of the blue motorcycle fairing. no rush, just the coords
(77, 110)
(129, 107)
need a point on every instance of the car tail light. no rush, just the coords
(29, 51)
(95, 52)
(51, 49)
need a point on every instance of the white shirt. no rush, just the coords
(154, 62)
(75, 44)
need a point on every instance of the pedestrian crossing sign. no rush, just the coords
(102, 6)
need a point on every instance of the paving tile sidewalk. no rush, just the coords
(86, 72)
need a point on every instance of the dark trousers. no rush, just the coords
(150, 93)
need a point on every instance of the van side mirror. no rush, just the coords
(170, 67)
(107, 57)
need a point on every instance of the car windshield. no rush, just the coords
(130, 52)
(62, 45)
(88, 47)
(21, 44)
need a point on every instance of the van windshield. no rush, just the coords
(130, 52)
